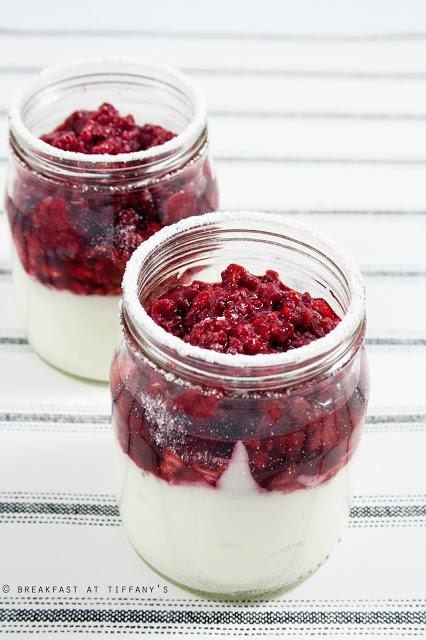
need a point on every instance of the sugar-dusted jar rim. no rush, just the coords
(247, 372)
(54, 161)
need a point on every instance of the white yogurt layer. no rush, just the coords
(233, 539)
(76, 333)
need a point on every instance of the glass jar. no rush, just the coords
(234, 469)
(76, 218)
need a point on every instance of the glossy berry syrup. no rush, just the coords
(76, 236)
(294, 439)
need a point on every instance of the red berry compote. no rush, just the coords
(85, 192)
(238, 400)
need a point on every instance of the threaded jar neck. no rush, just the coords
(206, 244)
(152, 93)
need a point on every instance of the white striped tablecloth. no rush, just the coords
(331, 130)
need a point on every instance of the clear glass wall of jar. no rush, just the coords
(76, 218)
(234, 469)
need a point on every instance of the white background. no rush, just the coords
(316, 110)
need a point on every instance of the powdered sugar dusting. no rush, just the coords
(111, 65)
(168, 430)
(276, 223)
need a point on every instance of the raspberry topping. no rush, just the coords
(243, 313)
(105, 131)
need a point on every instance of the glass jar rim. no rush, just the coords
(350, 327)
(117, 65)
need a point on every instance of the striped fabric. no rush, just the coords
(331, 130)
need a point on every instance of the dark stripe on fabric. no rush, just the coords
(75, 418)
(12, 340)
(216, 617)
(111, 511)
(60, 508)
(408, 418)
(396, 342)
(61, 418)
